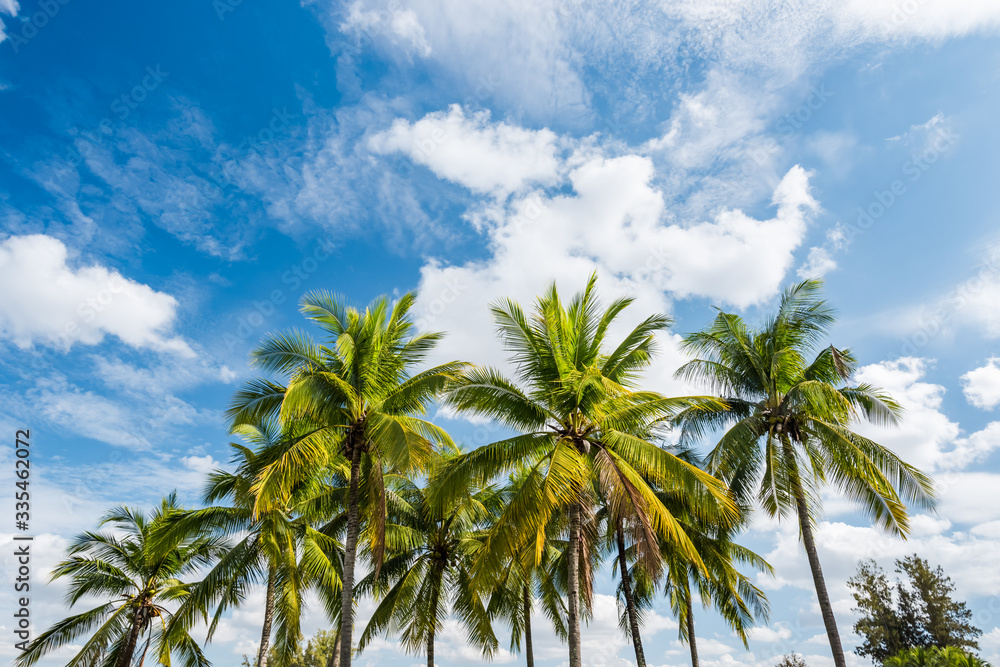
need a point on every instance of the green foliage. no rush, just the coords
(790, 418)
(935, 656)
(792, 660)
(585, 430)
(915, 612)
(360, 403)
(335, 445)
(426, 572)
(138, 577)
(317, 652)
(278, 544)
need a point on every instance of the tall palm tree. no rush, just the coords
(140, 579)
(577, 408)
(283, 545)
(790, 424)
(356, 393)
(427, 570)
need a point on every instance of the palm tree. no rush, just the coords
(513, 598)
(427, 570)
(356, 393)
(139, 578)
(789, 424)
(281, 546)
(633, 599)
(720, 584)
(577, 414)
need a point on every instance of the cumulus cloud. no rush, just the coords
(735, 258)
(926, 438)
(981, 386)
(43, 299)
(926, 434)
(487, 158)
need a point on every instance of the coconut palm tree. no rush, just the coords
(284, 547)
(513, 602)
(790, 422)
(427, 570)
(140, 579)
(720, 584)
(527, 575)
(577, 408)
(356, 393)
(632, 600)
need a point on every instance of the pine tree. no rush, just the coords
(916, 613)
(943, 622)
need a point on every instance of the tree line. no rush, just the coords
(343, 487)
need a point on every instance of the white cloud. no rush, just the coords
(401, 26)
(961, 497)
(770, 635)
(981, 386)
(90, 415)
(535, 67)
(926, 435)
(486, 158)
(735, 258)
(613, 222)
(549, 45)
(45, 300)
(818, 264)
(9, 7)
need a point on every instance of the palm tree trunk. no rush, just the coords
(436, 581)
(145, 649)
(334, 660)
(633, 620)
(829, 620)
(573, 586)
(350, 553)
(125, 657)
(265, 633)
(692, 644)
(528, 651)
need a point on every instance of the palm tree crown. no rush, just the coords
(361, 403)
(139, 577)
(284, 545)
(427, 572)
(585, 431)
(789, 421)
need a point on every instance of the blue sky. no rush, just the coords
(173, 177)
